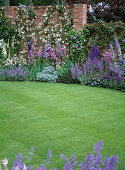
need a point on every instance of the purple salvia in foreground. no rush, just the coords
(119, 48)
(81, 165)
(76, 71)
(29, 167)
(98, 147)
(42, 167)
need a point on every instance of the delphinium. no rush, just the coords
(46, 50)
(119, 48)
(112, 51)
(94, 53)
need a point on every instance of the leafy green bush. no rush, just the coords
(76, 44)
(64, 72)
(102, 34)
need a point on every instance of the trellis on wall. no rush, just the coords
(79, 14)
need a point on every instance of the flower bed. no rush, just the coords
(92, 161)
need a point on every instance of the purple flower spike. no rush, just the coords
(32, 148)
(62, 156)
(42, 167)
(81, 165)
(98, 147)
(76, 71)
(112, 51)
(119, 48)
(29, 167)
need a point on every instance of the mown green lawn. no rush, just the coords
(60, 117)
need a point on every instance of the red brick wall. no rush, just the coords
(79, 13)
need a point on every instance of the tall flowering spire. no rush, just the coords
(112, 51)
(29, 45)
(119, 48)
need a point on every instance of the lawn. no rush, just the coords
(64, 118)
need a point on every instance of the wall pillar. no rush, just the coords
(79, 16)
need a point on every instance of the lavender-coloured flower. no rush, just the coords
(112, 51)
(98, 147)
(46, 50)
(62, 156)
(49, 154)
(81, 165)
(94, 53)
(76, 71)
(42, 167)
(119, 48)
(29, 167)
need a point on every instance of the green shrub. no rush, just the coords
(102, 34)
(76, 44)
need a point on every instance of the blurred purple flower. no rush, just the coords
(98, 147)
(29, 167)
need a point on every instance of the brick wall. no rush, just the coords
(79, 13)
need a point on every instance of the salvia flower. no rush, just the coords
(92, 162)
(76, 71)
(98, 147)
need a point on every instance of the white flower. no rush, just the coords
(5, 162)
(45, 14)
(90, 9)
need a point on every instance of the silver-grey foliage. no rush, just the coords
(49, 74)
